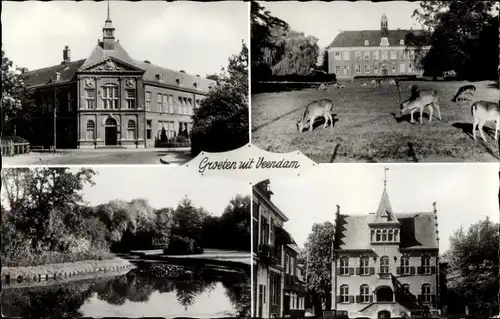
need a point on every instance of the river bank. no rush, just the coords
(18, 275)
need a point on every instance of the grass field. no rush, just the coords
(367, 126)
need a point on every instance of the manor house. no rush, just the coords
(111, 100)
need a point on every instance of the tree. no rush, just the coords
(235, 223)
(454, 29)
(473, 267)
(17, 101)
(162, 229)
(324, 64)
(319, 251)
(221, 122)
(187, 222)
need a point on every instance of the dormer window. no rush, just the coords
(195, 84)
(179, 81)
(384, 41)
(159, 77)
(401, 42)
(384, 236)
(367, 42)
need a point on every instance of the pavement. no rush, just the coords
(121, 156)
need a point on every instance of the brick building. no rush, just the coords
(110, 99)
(386, 264)
(278, 286)
(373, 53)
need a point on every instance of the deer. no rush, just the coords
(322, 86)
(364, 85)
(419, 99)
(392, 83)
(482, 112)
(462, 91)
(320, 108)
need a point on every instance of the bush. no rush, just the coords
(182, 246)
(15, 139)
(26, 258)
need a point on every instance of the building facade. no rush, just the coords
(112, 100)
(386, 264)
(277, 291)
(373, 53)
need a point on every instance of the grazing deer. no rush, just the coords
(321, 108)
(373, 83)
(482, 112)
(392, 83)
(464, 90)
(418, 101)
(338, 85)
(322, 86)
(364, 85)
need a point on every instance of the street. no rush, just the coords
(102, 156)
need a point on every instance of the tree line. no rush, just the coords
(472, 269)
(45, 220)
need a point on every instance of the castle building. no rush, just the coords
(111, 100)
(277, 280)
(373, 53)
(386, 264)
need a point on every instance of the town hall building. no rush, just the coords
(386, 264)
(373, 53)
(112, 100)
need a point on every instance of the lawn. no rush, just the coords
(367, 127)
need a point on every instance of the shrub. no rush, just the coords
(15, 139)
(182, 246)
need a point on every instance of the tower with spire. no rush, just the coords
(108, 33)
(383, 25)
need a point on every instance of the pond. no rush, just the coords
(203, 293)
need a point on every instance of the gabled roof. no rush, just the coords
(357, 38)
(100, 54)
(417, 230)
(43, 76)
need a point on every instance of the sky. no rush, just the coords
(193, 36)
(464, 194)
(163, 187)
(324, 20)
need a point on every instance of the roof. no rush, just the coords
(384, 213)
(43, 76)
(275, 208)
(357, 38)
(417, 230)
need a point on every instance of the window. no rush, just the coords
(378, 236)
(366, 55)
(71, 102)
(426, 265)
(337, 55)
(344, 293)
(198, 102)
(160, 102)
(364, 292)
(169, 129)
(337, 69)
(393, 69)
(358, 68)
(131, 130)
(402, 68)
(411, 54)
(275, 289)
(401, 42)
(367, 42)
(426, 293)
(410, 68)
(375, 55)
(149, 130)
(405, 265)
(357, 55)
(384, 265)
(165, 103)
(375, 69)
(180, 102)
(90, 130)
(190, 106)
(346, 69)
(394, 55)
(90, 99)
(384, 235)
(130, 97)
(264, 228)
(287, 264)
(402, 55)
(344, 266)
(110, 97)
(367, 68)
(364, 263)
(148, 101)
(384, 54)
(346, 56)
(384, 41)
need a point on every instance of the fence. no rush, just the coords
(9, 148)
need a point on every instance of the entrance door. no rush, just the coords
(262, 295)
(385, 72)
(110, 132)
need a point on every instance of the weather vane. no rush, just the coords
(385, 176)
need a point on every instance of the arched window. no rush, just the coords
(384, 265)
(364, 292)
(344, 293)
(364, 266)
(110, 96)
(378, 235)
(367, 42)
(390, 235)
(131, 130)
(344, 266)
(372, 235)
(90, 135)
(426, 293)
(384, 235)
(401, 42)
(396, 235)
(405, 265)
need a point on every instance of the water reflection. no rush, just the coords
(204, 294)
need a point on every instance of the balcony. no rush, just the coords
(270, 254)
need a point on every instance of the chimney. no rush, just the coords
(182, 71)
(66, 55)
(197, 75)
(147, 61)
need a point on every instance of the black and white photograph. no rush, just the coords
(366, 82)
(123, 82)
(374, 241)
(124, 242)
